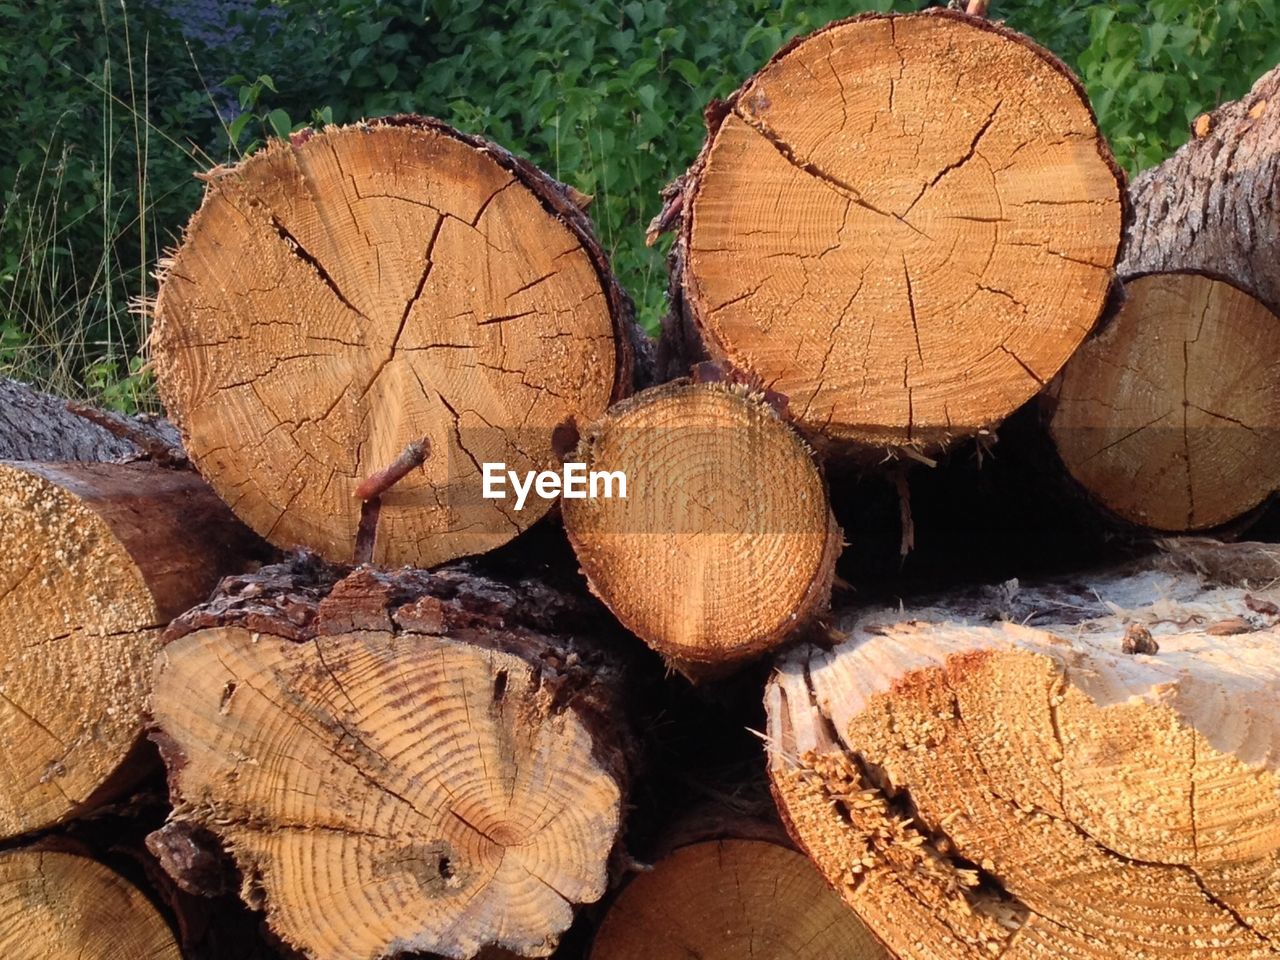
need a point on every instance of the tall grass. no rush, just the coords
(84, 216)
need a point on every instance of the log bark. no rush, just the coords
(398, 763)
(741, 892)
(1212, 206)
(905, 224)
(1168, 417)
(58, 905)
(340, 297)
(724, 546)
(36, 426)
(1003, 773)
(98, 558)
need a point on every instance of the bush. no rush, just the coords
(607, 96)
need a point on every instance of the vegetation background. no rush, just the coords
(108, 107)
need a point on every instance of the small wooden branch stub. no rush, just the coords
(411, 457)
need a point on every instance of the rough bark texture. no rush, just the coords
(397, 762)
(36, 426)
(1213, 205)
(98, 558)
(1006, 773)
(905, 224)
(364, 288)
(724, 546)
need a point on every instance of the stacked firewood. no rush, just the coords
(337, 663)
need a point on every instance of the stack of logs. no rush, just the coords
(284, 681)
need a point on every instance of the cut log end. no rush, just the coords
(1168, 418)
(337, 299)
(727, 899)
(978, 789)
(63, 906)
(724, 544)
(391, 793)
(946, 180)
(97, 558)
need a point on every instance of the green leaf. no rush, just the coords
(280, 123)
(236, 127)
(688, 71)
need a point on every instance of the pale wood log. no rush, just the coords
(1169, 417)
(905, 224)
(993, 775)
(98, 558)
(340, 297)
(724, 546)
(58, 905)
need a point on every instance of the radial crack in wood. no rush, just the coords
(97, 559)
(335, 299)
(724, 545)
(399, 764)
(992, 776)
(905, 224)
(728, 899)
(62, 906)
(1168, 417)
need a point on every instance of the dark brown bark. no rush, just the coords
(36, 426)
(1213, 205)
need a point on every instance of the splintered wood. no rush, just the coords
(1168, 418)
(399, 769)
(725, 544)
(905, 224)
(996, 777)
(57, 905)
(339, 297)
(97, 559)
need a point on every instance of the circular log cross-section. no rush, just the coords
(904, 224)
(63, 906)
(340, 297)
(724, 544)
(1102, 783)
(389, 793)
(1169, 417)
(729, 899)
(97, 559)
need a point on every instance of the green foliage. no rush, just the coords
(1152, 67)
(607, 95)
(268, 123)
